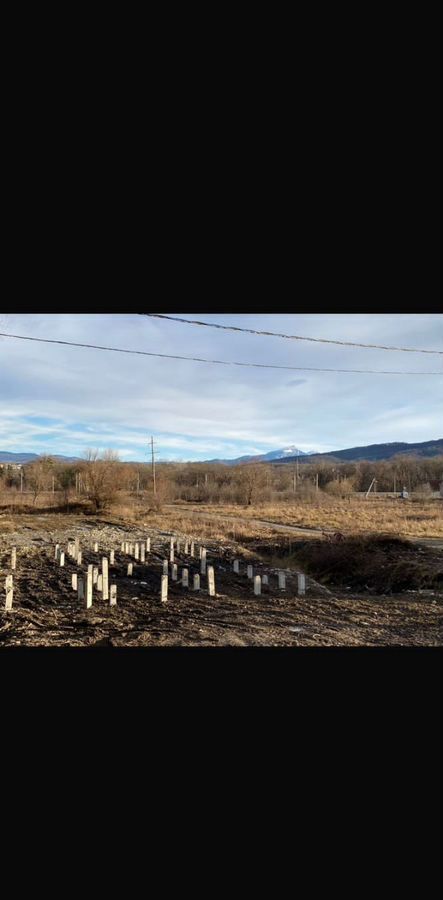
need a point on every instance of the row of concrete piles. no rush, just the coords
(264, 579)
(94, 577)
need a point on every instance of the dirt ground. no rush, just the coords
(47, 612)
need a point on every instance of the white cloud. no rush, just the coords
(199, 409)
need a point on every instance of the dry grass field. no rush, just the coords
(354, 516)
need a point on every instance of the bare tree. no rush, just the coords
(251, 480)
(39, 475)
(102, 477)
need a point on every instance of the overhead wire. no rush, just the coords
(290, 337)
(212, 361)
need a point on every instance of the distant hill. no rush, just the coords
(260, 457)
(22, 458)
(374, 452)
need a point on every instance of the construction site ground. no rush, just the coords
(47, 612)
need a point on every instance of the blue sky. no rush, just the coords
(56, 399)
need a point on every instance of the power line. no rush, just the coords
(219, 362)
(289, 337)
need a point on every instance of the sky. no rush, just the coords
(64, 400)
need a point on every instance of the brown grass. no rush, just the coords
(417, 519)
(354, 516)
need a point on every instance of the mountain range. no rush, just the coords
(351, 454)
(22, 458)
(375, 452)
(289, 454)
(262, 457)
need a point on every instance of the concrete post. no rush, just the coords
(211, 581)
(130, 568)
(282, 580)
(79, 558)
(57, 548)
(257, 585)
(74, 581)
(112, 557)
(185, 577)
(202, 566)
(137, 551)
(148, 545)
(250, 572)
(301, 584)
(165, 567)
(9, 592)
(171, 555)
(178, 548)
(105, 578)
(96, 547)
(81, 588)
(196, 584)
(62, 558)
(122, 548)
(174, 572)
(142, 553)
(13, 557)
(192, 549)
(89, 589)
(94, 574)
(265, 579)
(100, 583)
(164, 589)
(186, 548)
(236, 566)
(113, 595)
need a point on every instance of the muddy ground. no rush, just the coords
(47, 612)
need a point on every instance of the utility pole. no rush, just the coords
(21, 481)
(153, 463)
(138, 482)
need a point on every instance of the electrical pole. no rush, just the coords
(21, 481)
(153, 463)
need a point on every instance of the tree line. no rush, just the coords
(100, 477)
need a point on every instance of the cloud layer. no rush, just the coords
(62, 400)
